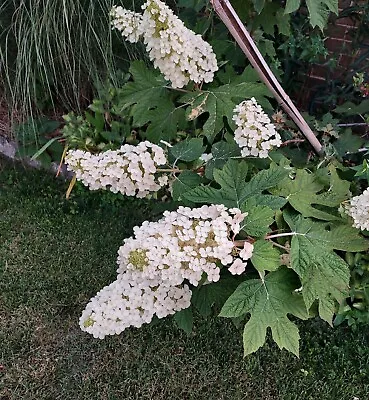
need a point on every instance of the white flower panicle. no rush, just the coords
(255, 134)
(126, 303)
(127, 22)
(358, 209)
(185, 245)
(178, 52)
(131, 170)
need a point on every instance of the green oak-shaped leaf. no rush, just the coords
(292, 6)
(213, 294)
(163, 121)
(328, 235)
(221, 152)
(265, 179)
(232, 181)
(183, 183)
(184, 319)
(265, 257)
(147, 89)
(324, 275)
(348, 142)
(348, 108)
(308, 195)
(270, 17)
(268, 200)
(319, 11)
(219, 103)
(269, 301)
(234, 189)
(259, 218)
(187, 150)
(150, 103)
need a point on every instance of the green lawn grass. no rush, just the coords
(55, 255)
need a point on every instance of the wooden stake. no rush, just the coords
(230, 18)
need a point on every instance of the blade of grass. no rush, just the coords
(54, 57)
(43, 148)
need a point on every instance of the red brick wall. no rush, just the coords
(339, 42)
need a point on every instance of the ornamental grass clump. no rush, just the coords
(55, 54)
(180, 54)
(155, 266)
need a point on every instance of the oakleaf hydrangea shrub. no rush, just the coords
(253, 238)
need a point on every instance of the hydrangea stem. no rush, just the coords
(280, 246)
(241, 242)
(277, 235)
(230, 18)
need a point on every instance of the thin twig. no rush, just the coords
(353, 124)
(279, 245)
(362, 150)
(287, 142)
(240, 242)
(230, 18)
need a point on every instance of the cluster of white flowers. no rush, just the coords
(185, 245)
(255, 134)
(132, 302)
(358, 209)
(178, 52)
(127, 22)
(130, 170)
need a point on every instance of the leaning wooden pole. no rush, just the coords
(230, 18)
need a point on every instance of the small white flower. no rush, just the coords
(246, 252)
(238, 267)
(153, 266)
(127, 22)
(237, 219)
(206, 157)
(124, 303)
